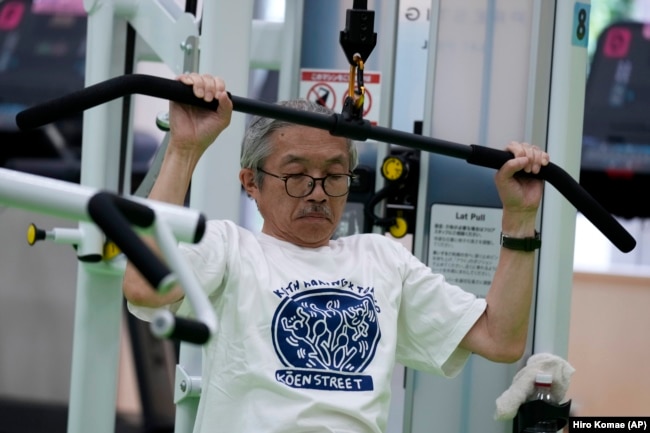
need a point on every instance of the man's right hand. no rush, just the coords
(193, 129)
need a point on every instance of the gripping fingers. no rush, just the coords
(535, 157)
(205, 86)
(529, 153)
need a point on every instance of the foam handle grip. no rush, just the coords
(107, 91)
(113, 214)
(166, 325)
(570, 189)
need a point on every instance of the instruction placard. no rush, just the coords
(464, 245)
(330, 87)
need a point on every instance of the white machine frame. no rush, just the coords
(171, 224)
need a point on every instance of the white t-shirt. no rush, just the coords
(308, 337)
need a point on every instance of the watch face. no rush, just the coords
(393, 168)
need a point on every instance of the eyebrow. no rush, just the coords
(290, 159)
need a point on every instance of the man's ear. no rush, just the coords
(247, 180)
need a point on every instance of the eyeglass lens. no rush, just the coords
(302, 185)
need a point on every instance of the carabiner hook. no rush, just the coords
(353, 105)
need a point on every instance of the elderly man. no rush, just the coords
(309, 327)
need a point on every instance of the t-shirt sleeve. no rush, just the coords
(434, 317)
(208, 262)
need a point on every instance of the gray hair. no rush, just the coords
(256, 146)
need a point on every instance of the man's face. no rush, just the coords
(309, 221)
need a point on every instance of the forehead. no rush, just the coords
(306, 145)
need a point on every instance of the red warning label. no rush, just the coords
(330, 88)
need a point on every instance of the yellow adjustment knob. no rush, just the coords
(110, 251)
(393, 168)
(399, 229)
(34, 234)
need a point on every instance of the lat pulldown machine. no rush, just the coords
(344, 124)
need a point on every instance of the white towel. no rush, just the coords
(523, 384)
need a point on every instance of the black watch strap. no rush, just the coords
(521, 244)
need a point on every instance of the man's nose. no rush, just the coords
(318, 193)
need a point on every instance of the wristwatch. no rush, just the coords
(521, 244)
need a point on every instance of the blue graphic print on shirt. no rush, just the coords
(326, 337)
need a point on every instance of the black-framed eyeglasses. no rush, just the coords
(301, 185)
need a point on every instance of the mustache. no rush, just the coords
(318, 209)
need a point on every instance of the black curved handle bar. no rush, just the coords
(167, 325)
(336, 124)
(114, 214)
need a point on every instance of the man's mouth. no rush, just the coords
(315, 215)
(316, 211)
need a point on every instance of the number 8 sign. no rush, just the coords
(580, 25)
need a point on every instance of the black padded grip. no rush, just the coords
(106, 91)
(137, 214)
(570, 189)
(179, 328)
(113, 214)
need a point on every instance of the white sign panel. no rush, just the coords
(464, 245)
(411, 63)
(330, 87)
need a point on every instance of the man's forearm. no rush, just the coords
(510, 296)
(174, 178)
(170, 186)
(509, 299)
(500, 334)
